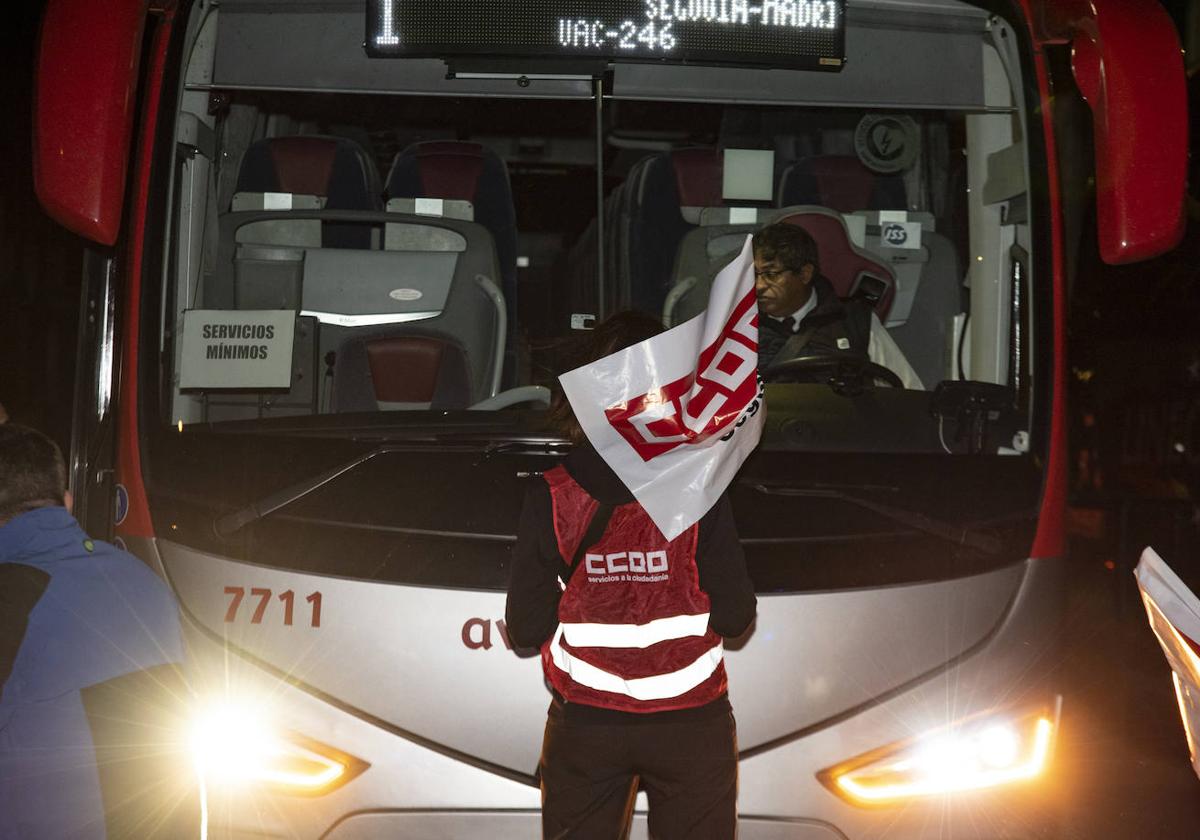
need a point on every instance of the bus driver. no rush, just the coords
(804, 316)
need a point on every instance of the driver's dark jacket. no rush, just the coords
(832, 319)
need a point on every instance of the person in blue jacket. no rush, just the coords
(92, 699)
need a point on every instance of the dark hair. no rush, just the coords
(789, 245)
(616, 332)
(32, 473)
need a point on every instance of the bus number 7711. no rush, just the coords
(237, 593)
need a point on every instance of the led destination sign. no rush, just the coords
(776, 33)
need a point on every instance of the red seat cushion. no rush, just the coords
(405, 368)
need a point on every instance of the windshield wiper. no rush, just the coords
(956, 534)
(230, 523)
(541, 445)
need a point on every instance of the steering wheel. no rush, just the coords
(842, 372)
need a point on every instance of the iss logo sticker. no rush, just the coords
(894, 235)
(886, 142)
(900, 234)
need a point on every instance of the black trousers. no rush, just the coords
(686, 764)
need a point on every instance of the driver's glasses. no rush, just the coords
(772, 275)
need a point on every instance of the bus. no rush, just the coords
(338, 251)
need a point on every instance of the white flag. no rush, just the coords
(676, 415)
(1174, 614)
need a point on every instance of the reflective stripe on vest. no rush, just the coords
(658, 687)
(627, 639)
(635, 635)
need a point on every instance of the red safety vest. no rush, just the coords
(633, 630)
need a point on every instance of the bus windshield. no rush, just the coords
(413, 246)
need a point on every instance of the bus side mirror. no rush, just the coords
(85, 92)
(1128, 65)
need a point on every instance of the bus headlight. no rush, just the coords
(982, 753)
(234, 744)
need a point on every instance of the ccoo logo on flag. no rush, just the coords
(677, 414)
(702, 403)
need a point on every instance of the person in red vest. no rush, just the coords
(630, 628)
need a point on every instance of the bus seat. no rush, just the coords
(909, 263)
(703, 252)
(697, 174)
(843, 263)
(663, 200)
(925, 337)
(387, 372)
(333, 168)
(710, 247)
(667, 193)
(405, 327)
(841, 182)
(464, 171)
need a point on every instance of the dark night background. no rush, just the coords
(1134, 344)
(40, 263)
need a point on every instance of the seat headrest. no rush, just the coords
(698, 176)
(416, 368)
(449, 169)
(463, 171)
(333, 167)
(841, 261)
(841, 182)
(398, 370)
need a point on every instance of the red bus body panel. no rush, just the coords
(86, 91)
(129, 458)
(1128, 65)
